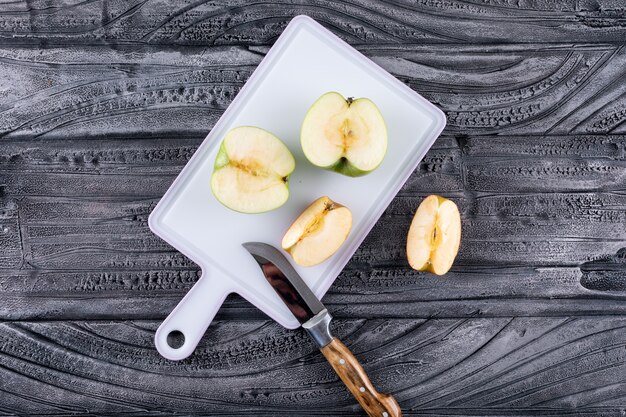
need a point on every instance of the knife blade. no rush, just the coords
(294, 292)
(315, 319)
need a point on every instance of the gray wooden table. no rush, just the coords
(103, 102)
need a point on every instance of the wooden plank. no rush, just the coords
(10, 240)
(67, 93)
(394, 292)
(358, 21)
(505, 366)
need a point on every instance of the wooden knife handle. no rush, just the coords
(352, 374)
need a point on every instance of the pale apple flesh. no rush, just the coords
(434, 236)
(344, 135)
(251, 171)
(318, 232)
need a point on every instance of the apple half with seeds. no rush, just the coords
(251, 171)
(348, 136)
(434, 236)
(318, 232)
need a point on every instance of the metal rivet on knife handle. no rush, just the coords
(355, 378)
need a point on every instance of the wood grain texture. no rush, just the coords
(359, 21)
(505, 366)
(103, 102)
(65, 93)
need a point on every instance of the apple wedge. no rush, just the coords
(434, 236)
(344, 135)
(318, 232)
(251, 171)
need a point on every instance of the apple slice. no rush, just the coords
(251, 171)
(318, 232)
(344, 135)
(434, 236)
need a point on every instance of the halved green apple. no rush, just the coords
(318, 232)
(251, 171)
(344, 135)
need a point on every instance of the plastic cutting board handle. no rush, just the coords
(192, 316)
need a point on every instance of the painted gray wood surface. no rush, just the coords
(103, 102)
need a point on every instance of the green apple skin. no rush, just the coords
(343, 165)
(222, 159)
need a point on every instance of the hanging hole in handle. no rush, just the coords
(175, 339)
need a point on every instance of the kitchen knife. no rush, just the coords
(315, 319)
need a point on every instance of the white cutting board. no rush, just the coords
(305, 62)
